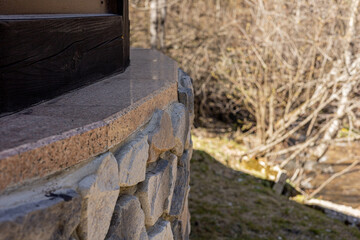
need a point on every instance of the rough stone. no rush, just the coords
(181, 226)
(160, 135)
(182, 184)
(180, 123)
(99, 192)
(161, 231)
(155, 193)
(184, 79)
(186, 93)
(180, 191)
(186, 97)
(128, 221)
(55, 217)
(173, 160)
(132, 160)
(186, 158)
(188, 142)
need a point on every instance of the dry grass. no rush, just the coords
(228, 204)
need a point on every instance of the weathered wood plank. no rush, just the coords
(42, 58)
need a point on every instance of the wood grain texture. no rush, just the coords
(54, 6)
(43, 58)
(125, 12)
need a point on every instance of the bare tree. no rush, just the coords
(158, 10)
(287, 72)
(348, 87)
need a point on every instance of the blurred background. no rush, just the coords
(276, 86)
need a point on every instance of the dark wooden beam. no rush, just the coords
(57, 6)
(42, 57)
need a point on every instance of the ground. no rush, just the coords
(229, 204)
(346, 188)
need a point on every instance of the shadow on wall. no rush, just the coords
(228, 204)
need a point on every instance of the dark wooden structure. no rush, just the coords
(45, 54)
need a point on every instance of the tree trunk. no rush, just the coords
(163, 9)
(343, 103)
(153, 23)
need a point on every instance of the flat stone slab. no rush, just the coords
(67, 130)
(55, 217)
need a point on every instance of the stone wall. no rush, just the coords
(137, 189)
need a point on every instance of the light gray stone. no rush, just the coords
(186, 158)
(180, 74)
(173, 160)
(188, 142)
(180, 123)
(182, 184)
(99, 192)
(155, 193)
(181, 226)
(128, 221)
(186, 93)
(186, 97)
(180, 191)
(132, 160)
(54, 217)
(184, 79)
(160, 135)
(161, 231)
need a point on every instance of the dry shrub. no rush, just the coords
(194, 39)
(285, 70)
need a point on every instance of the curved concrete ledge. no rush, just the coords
(74, 127)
